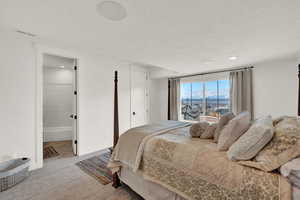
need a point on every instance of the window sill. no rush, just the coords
(208, 119)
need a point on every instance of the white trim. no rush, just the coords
(40, 50)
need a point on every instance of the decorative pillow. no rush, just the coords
(233, 130)
(251, 142)
(222, 122)
(284, 146)
(197, 129)
(209, 132)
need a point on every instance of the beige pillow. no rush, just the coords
(209, 132)
(222, 122)
(251, 142)
(233, 130)
(284, 146)
(198, 129)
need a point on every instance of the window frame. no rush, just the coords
(203, 80)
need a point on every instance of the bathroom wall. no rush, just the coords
(57, 98)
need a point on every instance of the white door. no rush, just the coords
(74, 115)
(139, 97)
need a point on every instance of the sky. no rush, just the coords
(210, 89)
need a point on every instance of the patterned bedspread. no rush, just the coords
(194, 169)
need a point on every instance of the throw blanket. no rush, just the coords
(130, 147)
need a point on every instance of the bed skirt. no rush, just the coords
(148, 190)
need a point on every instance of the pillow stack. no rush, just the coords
(204, 130)
(266, 144)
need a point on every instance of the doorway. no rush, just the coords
(59, 107)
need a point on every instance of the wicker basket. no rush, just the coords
(13, 172)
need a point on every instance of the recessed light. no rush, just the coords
(112, 10)
(232, 58)
(62, 66)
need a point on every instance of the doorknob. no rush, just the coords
(133, 113)
(73, 116)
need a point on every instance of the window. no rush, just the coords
(207, 100)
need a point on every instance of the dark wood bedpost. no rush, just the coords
(116, 111)
(169, 99)
(299, 90)
(116, 180)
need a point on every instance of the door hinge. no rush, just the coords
(75, 92)
(75, 141)
(75, 67)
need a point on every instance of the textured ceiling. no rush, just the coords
(184, 36)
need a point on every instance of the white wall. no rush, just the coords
(18, 120)
(276, 88)
(96, 101)
(17, 101)
(158, 99)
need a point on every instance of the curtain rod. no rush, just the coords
(213, 72)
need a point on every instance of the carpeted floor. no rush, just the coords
(61, 179)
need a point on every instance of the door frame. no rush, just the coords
(141, 69)
(40, 51)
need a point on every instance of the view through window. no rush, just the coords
(206, 100)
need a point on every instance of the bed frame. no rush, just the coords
(116, 180)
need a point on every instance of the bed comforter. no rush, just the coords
(195, 169)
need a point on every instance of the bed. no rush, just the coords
(161, 161)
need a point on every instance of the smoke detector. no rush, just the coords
(112, 10)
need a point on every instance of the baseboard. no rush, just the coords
(52, 134)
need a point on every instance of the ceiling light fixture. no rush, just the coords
(62, 66)
(232, 58)
(112, 10)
